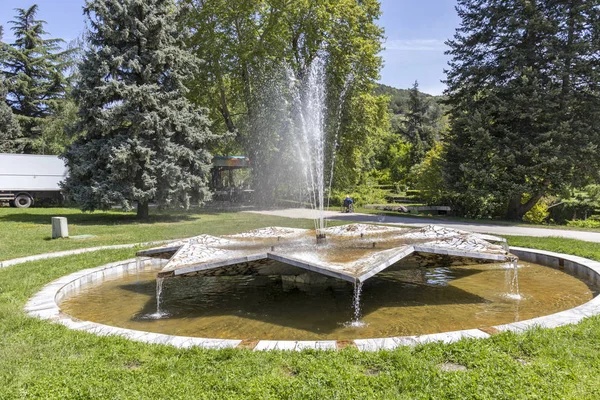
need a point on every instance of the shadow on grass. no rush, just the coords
(43, 217)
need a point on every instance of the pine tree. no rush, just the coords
(524, 94)
(417, 127)
(142, 140)
(34, 70)
(10, 130)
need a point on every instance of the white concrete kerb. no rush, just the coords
(46, 256)
(45, 305)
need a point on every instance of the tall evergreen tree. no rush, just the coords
(524, 89)
(34, 70)
(142, 139)
(10, 131)
(417, 128)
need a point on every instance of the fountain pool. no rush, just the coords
(399, 303)
(279, 285)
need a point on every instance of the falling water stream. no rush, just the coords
(512, 280)
(356, 322)
(159, 312)
(159, 289)
(139, 266)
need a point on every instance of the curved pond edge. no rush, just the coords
(45, 305)
(57, 254)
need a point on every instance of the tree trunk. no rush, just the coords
(516, 209)
(224, 108)
(142, 210)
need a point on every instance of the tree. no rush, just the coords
(10, 131)
(143, 141)
(34, 70)
(417, 128)
(428, 175)
(249, 45)
(59, 130)
(523, 87)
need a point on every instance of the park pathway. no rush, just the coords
(420, 222)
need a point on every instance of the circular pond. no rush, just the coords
(394, 303)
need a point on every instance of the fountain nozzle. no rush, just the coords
(321, 238)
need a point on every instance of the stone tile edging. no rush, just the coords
(44, 305)
(45, 256)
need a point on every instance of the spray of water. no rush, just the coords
(159, 289)
(338, 124)
(356, 322)
(309, 111)
(159, 312)
(139, 266)
(512, 279)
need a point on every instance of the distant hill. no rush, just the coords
(399, 100)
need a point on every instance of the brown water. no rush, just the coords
(397, 303)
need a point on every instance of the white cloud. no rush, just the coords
(416, 45)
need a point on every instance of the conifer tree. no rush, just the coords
(524, 89)
(34, 71)
(142, 140)
(10, 130)
(417, 128)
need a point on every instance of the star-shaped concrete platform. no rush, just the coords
(353, 252)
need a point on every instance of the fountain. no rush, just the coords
(343, 282)
(353, 253)
(308, 133)
(276, 284)
(284, 288)
(284, 252)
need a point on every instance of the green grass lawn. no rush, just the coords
(43, 360)
(27, 232)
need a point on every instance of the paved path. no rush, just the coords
(419, 222)
(57, 254)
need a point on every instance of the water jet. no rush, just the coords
(321, 238)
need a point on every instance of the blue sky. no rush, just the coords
(415, 31)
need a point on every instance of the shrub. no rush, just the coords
(361, 195)
(586, 223)
(538, 213)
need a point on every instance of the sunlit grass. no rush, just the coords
(27, 232)
(39, 359)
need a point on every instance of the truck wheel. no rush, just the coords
(23, 201)
(11, 203)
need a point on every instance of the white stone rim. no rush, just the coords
(44, 305)
(57, 254)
